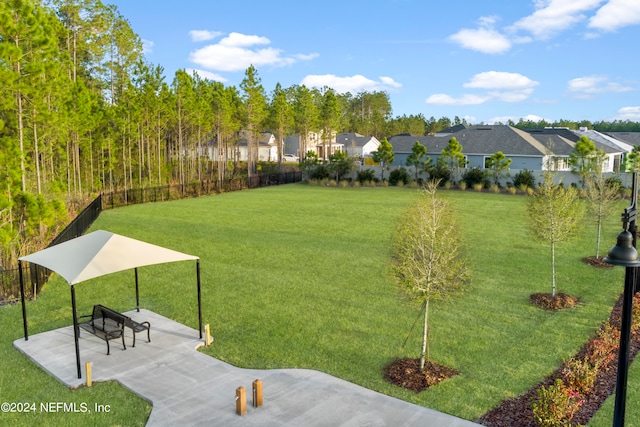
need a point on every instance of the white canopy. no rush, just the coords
(99, 253)
(96, 254)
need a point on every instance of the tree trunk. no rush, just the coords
(553, 269)
(425, 329)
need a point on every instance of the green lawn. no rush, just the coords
(297, 277)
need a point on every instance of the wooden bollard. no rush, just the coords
(88, 369)
(257, 393)
(241, 401)
(207, 335)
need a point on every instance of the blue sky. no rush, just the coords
(484, 61)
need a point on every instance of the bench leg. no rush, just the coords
(108, 348)
(134, 338)
(148, 334)
(124, 346)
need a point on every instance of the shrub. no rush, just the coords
(319, 172)
(556, 405)
(580, 375)
(524, 177)
(441, 173)
(495, 188)
(398, 176)
(512, 190)
(478, 187)
(366, 175)
(474, 176)
(462, 185)
(614, 183)
(603, 348)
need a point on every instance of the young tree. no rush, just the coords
(452, 157)
(340, 164)
(585, 157)
(384, 155)
(633, 160)
(555, 214)
(418, 158)
(600, 197)
(427, 254)
(498, 163)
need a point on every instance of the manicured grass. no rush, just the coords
(298, 277)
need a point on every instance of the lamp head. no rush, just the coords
(623, 253)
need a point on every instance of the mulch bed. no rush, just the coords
(597, 262)
(406, 373)
(558, 302)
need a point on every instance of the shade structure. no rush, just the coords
(97, 254)
(100, 253)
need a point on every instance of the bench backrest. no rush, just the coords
(100, 311)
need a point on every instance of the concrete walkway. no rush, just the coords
(189, 388)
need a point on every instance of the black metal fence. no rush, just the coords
(203, 188)
(35, 275)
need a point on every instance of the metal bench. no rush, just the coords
(108, 324)
(105, 324)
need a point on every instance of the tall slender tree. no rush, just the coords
(254, 112)
(280, 118)
(329, 121)
(305, 117)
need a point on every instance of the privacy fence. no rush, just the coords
(35, 276)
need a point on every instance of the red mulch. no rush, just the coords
(406, 373)
(597, 262)
(558, 302)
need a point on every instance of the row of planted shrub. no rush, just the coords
(558, 403)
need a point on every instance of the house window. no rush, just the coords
(561, 163)
(486, 162)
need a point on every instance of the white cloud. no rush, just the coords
(243, 40)
(616, 14)
(203, 35)
(207, 75)
(484, 39)
(629, 113)
(147, 46)
(390, 82)
(585, 87)
(554, 16)
(512, 96)
(444, 99)
(237, 52)
(500, 80)
(501, 86)
(352, 84)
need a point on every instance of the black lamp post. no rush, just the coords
(625, 254)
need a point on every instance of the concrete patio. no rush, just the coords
(189, 388)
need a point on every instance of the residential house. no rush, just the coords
(293, 144)
(358, 146)
(239, 148)
(535, 149)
